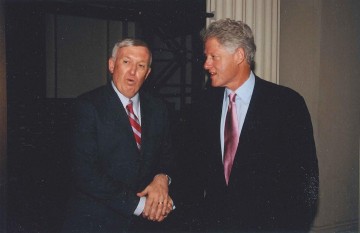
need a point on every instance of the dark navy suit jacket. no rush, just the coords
(273, 185)
(108, 167)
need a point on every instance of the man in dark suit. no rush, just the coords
(260, 168)
(122, 155)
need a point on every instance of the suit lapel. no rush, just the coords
(147, 117)
(118, 115)
(149, 131)
(145, 121)
(251, 115)
(248, 132)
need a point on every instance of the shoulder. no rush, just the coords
(273, 98)
(98, 96)
(94, 94)
(275, 92)
(98, 100)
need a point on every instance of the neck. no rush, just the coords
(243, 75)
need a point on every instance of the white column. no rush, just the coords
(263, 18)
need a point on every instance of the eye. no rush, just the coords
(142, 66)
(125, 61)
(215, 57)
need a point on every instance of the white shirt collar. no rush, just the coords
(125, 100)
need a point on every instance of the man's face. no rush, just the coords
(222, 65)
(129, 69)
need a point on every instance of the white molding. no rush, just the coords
(263, 16)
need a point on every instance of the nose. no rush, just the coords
(133, 69)
(207, 63)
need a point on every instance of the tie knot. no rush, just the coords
(232, 97)
(129, 107)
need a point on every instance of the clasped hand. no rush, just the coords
(158, 202)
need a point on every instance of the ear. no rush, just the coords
(240, 55)
(111, 64)
(148, 72)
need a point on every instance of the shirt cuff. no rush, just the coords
(140, 207)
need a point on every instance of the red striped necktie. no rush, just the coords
(135, 124)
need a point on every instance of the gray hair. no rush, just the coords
(130, 42)
(232, 35)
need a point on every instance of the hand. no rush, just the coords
(160, 217)
(157, 198)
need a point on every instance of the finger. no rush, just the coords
(161, 218)
(142, 193)
(145, 212)
(148, 205)
(167, 202)
(168, 210)
(154, 210)
(156, 206)
(160, 210)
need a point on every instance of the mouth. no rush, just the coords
(212, 74)
(130, 81)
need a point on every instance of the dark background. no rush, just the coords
(38, 127)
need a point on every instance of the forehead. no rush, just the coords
(212, 45)
(134, 52)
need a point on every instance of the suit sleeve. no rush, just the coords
(91, 178)
(301, 172)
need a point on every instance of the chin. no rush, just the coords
(214, 84)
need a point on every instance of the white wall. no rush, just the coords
(320, 58)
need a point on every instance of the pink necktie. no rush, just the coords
(231, 137)
(135, 124)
